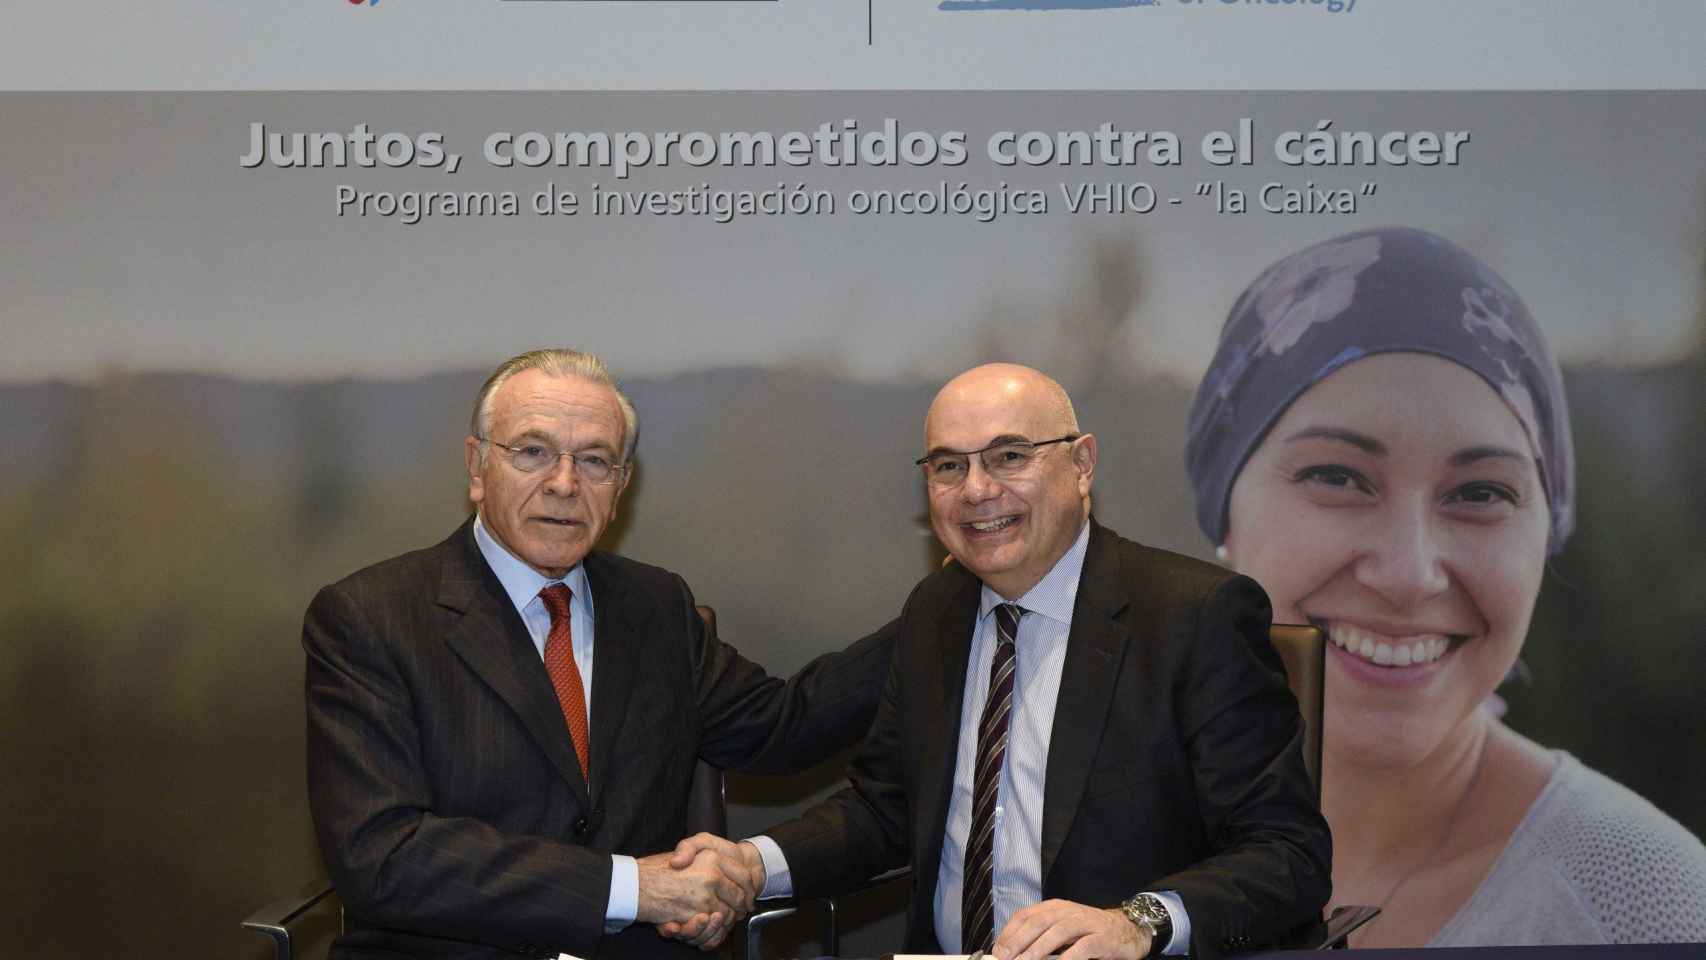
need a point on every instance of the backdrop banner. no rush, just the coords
(242, 333)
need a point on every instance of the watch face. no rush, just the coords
(1148, 912)
(1149, 908)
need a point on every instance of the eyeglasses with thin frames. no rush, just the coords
(533, 457)
(1003, 460)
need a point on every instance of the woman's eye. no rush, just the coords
(1331, 475)
(1483, 493)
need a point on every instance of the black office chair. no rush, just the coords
(707, 810)
(1303, 650)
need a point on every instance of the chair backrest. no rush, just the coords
(1304, 651)
(707, 805)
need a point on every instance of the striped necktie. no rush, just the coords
(977, 905)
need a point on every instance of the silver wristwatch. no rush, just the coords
(1148, 912)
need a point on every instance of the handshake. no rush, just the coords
(699, 891)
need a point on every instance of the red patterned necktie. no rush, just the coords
(560, 664)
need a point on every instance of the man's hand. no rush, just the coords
(738, 863)
(1045, 929)
(699, 888)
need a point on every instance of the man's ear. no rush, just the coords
(622, 486)
(471, 455)
(1084, 461)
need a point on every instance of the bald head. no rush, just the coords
(1009, 518)
(1006, 385)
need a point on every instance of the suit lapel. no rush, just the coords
(491, 639)
(1094, 651)
(942, 716)
(616, 655)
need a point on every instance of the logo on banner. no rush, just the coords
(1043, 4)
(1328, 6)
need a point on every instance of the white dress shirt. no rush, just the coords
(522, 583)
(1039, 656)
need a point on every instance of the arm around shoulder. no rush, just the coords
(860, 831)
(757, 723)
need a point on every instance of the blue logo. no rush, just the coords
(1043, 4)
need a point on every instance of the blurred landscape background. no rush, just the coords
(216, 397)
(167, 532)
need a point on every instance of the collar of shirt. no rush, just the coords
(522, 583)
(1055, 594)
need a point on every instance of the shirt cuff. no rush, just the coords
(1181, 942)
(624, 893)
(778, 882)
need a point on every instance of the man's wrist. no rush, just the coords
(753, 860)
(1139, 935)
(1154, 923)
(778, 882)
(624, 903)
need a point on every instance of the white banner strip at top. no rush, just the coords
(855, 44)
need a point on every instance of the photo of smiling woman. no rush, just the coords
(1382, 441)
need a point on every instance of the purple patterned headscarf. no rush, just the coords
(1387, 290)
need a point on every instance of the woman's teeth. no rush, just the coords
(1388, 651)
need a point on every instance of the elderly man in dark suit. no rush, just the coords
(498, 724)
(1085, 746)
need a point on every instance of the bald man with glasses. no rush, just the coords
(1085, 747)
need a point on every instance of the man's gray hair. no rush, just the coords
(554, 362)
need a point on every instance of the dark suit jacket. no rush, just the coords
(448, 802)
(1175, 763)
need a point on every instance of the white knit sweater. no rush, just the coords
(1591, 862)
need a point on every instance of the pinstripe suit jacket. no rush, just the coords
(1175, 761)
(449, 806)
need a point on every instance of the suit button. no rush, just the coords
(581, 827)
